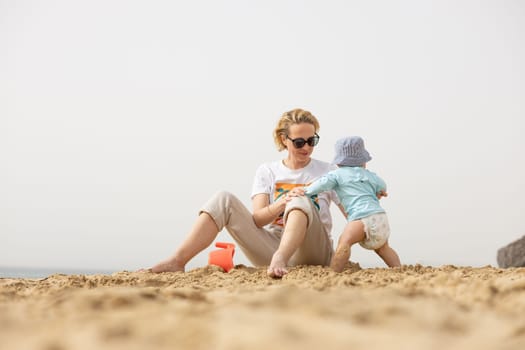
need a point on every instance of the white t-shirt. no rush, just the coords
(275, 179)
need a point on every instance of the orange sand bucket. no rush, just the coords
(222, 257)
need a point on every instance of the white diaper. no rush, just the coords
(377, 231)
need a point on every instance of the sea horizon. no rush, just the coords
(43, 272)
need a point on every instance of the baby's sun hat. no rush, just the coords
(350, 151)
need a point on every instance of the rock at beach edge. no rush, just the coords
(513, 254)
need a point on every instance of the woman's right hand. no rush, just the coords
(265, 212)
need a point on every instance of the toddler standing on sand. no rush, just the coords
(359, 191)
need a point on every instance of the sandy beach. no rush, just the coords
(412, 307)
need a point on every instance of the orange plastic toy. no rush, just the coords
(222, 257)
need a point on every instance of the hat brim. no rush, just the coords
(352, 161)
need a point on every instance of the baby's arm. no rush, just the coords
(323, 184)
(380, 187)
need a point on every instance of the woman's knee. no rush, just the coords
(296, 217)
(223, 194)
(301, 209)
(223, 197)
(219, 207)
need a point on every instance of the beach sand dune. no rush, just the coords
(412, 307)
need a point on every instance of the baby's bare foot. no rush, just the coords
(340, 258)
(277, 268)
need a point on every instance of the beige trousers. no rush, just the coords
(259, 244)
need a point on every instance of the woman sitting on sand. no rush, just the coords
(285, 228)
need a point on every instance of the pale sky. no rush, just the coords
(119, 119)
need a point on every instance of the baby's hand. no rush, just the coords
(381, 194)
(295, 192)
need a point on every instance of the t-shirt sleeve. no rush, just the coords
(262, 183)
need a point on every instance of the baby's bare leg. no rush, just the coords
(340, 258)
(354, 232)
(388, 255)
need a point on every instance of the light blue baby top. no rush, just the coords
(356, 188)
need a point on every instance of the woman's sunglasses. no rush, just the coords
(300, 142)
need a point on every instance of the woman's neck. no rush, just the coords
(295, 164)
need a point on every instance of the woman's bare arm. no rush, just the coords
(264, 212)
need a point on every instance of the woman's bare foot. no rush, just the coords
(144, 270)
(165, 266)
(340, 258)
(277, 268)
